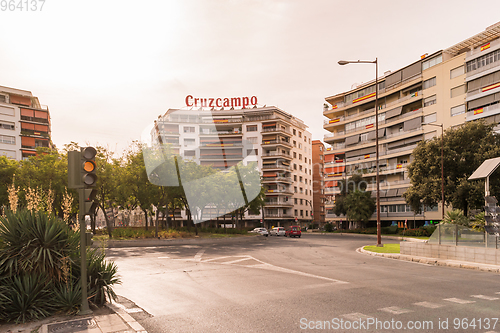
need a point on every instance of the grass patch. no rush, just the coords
(387, 248)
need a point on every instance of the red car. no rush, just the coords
(294, 231)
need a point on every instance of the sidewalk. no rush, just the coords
(435, 261)
(112, 318)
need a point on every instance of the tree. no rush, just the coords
(355, 182)
(360, 206)
(465, 148)
(107, 182)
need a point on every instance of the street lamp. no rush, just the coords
(377, 180)
(442, 168)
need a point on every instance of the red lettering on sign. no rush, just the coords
(188, 98)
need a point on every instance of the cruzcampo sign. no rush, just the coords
(233, 102)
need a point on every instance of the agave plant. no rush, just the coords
(34, 242)
(68, 297)
(102, 275)
(26, 297)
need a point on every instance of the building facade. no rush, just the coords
(277, 141)
(24, 124)
(448, 87)
(318, 149)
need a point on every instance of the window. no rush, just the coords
(294, 143)
(294, 155)
(431, 100)
(301, 201)
(294, 178)
(430, 118)
(321, 157)
(301, 212)
(189, 142)
(457, 91)
(294, 166)
(457, 72)
(300, 145)
(7, 125)
(189, 153)
(306, 191)
(483, 60)
(295, 212)
(305, 159)
(300, 157)
(301, 190)
(307, 212)
(300, 179)
(295, 202)
(320, 148)
(251, 128)
(7, 139)
(252, 139)
(305, 138)
(305, 170)
(295, 189)
(252, 151)
(294, 132)
(189, 129)
(432, 62)
(300, 134)
(300, 167)
(456, 110)
(429, 83)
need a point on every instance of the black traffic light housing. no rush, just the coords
(90, 205)
(82, 168)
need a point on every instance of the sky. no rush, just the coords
(108, 69)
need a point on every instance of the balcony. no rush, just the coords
(275, 166)
(332, 190)
(485, 112)
(276, 142)
(278, 215)
(222, 121)
(275, 129)
(332, 122)
(278, 191)
(278, 203)
(277, 154)
(36, 134)
(277, 179)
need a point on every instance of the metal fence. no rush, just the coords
(454, 234)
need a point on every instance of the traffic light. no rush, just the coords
(88, 167)
(90, 205)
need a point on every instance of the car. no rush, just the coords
(260, 231)
(293, 231)
(277, 231)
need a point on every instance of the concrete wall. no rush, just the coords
(463, 253)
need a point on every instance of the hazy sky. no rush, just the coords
(107, 69)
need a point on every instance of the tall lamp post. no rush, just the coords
(442, 168)
(377, 180)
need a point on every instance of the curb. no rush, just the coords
(166, 242)
(434, 261)
(126, 318)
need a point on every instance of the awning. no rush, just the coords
(414, 139)
(352, 140)
(486, 169)
(393, 112)
(393, 192)
(412, 124)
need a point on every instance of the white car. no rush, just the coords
(277, 231)
(261, 231)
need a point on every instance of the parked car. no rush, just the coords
(293, 231)
(260, 231)
(277, 231)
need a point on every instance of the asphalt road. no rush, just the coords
(313, 283)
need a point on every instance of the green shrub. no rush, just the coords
(40, 268)
(26, 297)
(390, 230)
(328, 227)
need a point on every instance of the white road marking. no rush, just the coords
(458, 300)
(356, 316)
(198, 255)
(163, 257)
(267, 266)
(428, 305)
(488, 298)
(395, 310)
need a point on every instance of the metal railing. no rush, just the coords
(275, 166)
(277, 179)
(276, 129)
(487, 111)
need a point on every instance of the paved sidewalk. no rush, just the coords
(435, 261)
(113, 318)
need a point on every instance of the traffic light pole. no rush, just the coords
(84, 310)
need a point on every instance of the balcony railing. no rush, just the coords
(327, 122)
(278, 215)
(277, 179)
(276, 154)
(274, 142)
(275, 166)
(487, 111)
(278, 191)
(278, 203)
(275, 129)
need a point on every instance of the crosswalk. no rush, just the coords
(397, 310)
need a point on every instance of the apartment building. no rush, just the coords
(448, 87)
(276, 140)
(318, 149)
(24, 124)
